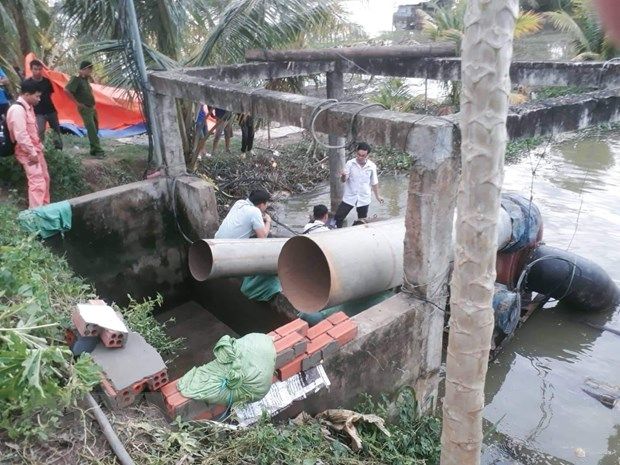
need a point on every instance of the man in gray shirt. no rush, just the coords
(247, 217)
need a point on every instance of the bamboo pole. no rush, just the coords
(485, 63)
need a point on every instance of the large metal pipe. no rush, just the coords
(326, 269)
(322, 270)
(217, 258)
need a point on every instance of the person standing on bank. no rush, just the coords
(45, 110)
(22, 124)
(79, 90)
(4, 95)
(359, 178)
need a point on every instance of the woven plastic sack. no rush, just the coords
(241, 372)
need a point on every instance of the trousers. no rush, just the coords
(38, 180)
(91, 123)
(344, 209)
(52, 119)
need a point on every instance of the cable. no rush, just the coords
(173, 196)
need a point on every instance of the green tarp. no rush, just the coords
(261, 287)
(241, 372)
(47, 220)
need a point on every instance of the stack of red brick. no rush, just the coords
(299, 347)
(113, 395)
(108, 337)
(176, 404)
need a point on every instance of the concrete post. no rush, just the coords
(335, 90)
(428, 242)
(170, 137)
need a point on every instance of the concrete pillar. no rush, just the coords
(335, 90)
(431, 202)
(170, 136)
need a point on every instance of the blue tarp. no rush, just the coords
(129, 131)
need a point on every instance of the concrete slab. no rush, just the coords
(127, 365)
(201, 330)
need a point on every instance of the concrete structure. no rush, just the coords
(126, 240)
(399, 340)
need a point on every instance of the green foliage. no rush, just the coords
(395, 95)
(38, 378)
(390, 159)
(66, 174)
(515, 148)
(448, 22)
(139, 316)
(582, 24)
(559, 91)
(413, 440)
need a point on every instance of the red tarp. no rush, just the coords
(115, 110)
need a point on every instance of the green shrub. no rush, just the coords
(38, 377)
(66, 174)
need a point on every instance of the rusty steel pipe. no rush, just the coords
(327, 269)
(218, 258)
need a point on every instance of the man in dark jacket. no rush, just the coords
(45, 110)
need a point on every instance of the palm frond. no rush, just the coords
(528, 22)
(564, 22)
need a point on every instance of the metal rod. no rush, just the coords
(136, 42)
(115, 443)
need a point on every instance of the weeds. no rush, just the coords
(139, 317)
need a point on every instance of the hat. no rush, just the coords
(85, 64)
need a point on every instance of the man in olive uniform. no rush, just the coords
(81, 93)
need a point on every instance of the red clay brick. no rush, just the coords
(344, 332)
(288, 342)
(300, 347)
(117, 399)
(317, 344)
(329, 349)
(282, 358)
(274, 336)
(310, 361)
(113, 339)
(213, 412)
(298, 325)
(319, 329)
(337, 318)
(290, 369)
(170, 388)
(158, 380)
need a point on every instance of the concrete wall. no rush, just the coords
(384, 357)
(125, 240)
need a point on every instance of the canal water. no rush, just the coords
(533, 393)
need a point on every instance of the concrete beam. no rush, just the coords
(554, 116)
(437, 49)
(246, 71)
(381, 127)
(529, 73)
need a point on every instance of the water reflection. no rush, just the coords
(534, 386)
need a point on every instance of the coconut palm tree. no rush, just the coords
(583, 26)
(487, 45)
(23, 24)
(448, 22)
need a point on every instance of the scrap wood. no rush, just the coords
(344, 420)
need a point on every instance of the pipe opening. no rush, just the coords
(200, 258)
(304, 274)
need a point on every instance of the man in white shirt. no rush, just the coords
(320, 215)
(247, 217)
(360, 177)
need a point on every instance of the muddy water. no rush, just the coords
(534, 388)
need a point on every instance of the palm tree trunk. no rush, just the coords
(486, 55)
(21, 25)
